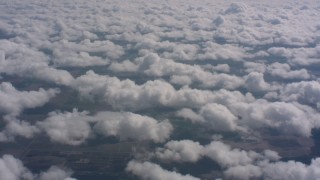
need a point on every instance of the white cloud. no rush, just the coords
(152, 65)
(56, 173)
(12, 168)
(75, 128)
(132, 126)
(14, 101)
(255, 82)
(284, 71)
(189, 114)
(71, 128)
(243, 172)
(254, 67)
(24, 61)
(147, 170)
(223, 154)
(215, 51)
(288, 118)
(126, 94)
(180, 151)
(292, 170)
(219, 117)
(15, 127)
(306, 92)
(179, 55)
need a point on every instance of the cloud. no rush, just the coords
(75, 128)
(132, 126)
(223, 154)
(14, 101)
(256, 83)
(189, 114)
(152, 65)
(56, 173)
(23, 61)
(180, 151)
(230, 67)
(254, 67)
(305, 92)
(292, 170)
(276, 170)
(126, 94)
(12, 168)
(215, 51)
(288, 118)
(284, 71)
(235, 8)
(243, 172)
(219, 117)
(15, 127)
(71, 128)
(147, 170)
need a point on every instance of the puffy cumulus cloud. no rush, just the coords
(180, 151)
(147, 170)
(15, 127)
(181, 41)
(74, 128)
(254, 67)
(71, 128)
(292, 170)
(65, 58)
(151, 64)
(215, 51)
(14, 101)
(276, 170)
(224, 155)
(219, 117)
(216, 116)
(256, 83)
(236, 8)
(306, 92)
(221, 67)
(239, 164)
(190, 115)
(300, 56)
(284, 71)
(56, 173)
(24, 61)
(84, 53)
(232, 113)
(170, 50)
(288, 118)
(12, 168)
(128, 125)
(106, 47)
(248, 171)
(125, 94)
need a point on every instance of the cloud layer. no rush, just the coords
(169, 75)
